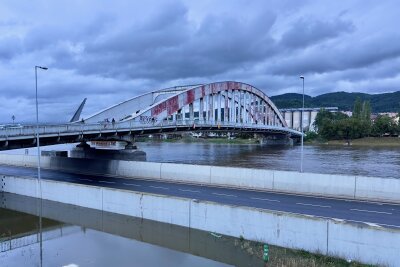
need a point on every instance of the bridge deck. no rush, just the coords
(24, 136)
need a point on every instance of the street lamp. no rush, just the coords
(37, 120)
(302, 134)
(38, 150)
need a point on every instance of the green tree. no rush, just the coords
(384, 125)
(366, 111)
(340, 126)
(357, 108)
(326, 124)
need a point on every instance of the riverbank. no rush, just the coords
(366, 141)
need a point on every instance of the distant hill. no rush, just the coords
(387, 102)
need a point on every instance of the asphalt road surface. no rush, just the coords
(373, 213)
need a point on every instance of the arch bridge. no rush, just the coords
(221, 106)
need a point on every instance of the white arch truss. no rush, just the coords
(218, 102)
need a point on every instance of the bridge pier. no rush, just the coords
(276, 140)
(129, 153)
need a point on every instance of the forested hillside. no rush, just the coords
(387, 102)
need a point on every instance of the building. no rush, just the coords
(293, 117)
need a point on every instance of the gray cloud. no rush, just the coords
(309, 31)
(113, 51)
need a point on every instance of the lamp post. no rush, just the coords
(37, 119)
(302, 134)
(38, 151)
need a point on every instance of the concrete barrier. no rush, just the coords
(199, 174)
(314, 184)
(150, 170)
(74, 194)
(19, 160)
(364, 243)
(371, 188)
(242, 177)
(147, 206)
(16, 185)
(277, 228)
(327, 185)
(360, 242)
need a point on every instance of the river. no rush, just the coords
(349, 160)
(368, 161)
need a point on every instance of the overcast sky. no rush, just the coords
(109, 51)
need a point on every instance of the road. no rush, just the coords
(373, 213)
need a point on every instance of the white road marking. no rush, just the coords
(84, 179)
(131, 184)
(265, 199)
(380, 224)
(373, 211)
(107, 182)
(159, 187)
(226, 195)
(306, 204)
(187, 190)
(373, 224)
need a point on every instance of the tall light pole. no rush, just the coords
(38, 151)
(37, 119)
(302, 134)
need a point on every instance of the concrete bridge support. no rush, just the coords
(275, 140)
(130, 152)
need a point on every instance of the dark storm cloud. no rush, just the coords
(169, 47)
(340, 56)
(109, 52)
(309, 31)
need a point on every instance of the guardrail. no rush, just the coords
(51, 129)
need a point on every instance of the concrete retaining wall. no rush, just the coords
(243, 177)
(199, 174)
(360, 242)
(315, 184)
(344, 186)
(378, 188)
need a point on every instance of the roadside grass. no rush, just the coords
(279, 256)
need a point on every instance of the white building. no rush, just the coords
(293, 117)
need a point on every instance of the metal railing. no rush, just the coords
(82, 128)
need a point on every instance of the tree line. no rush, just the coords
(337, 125)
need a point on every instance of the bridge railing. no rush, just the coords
(82, 128)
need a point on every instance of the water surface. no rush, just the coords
(367, 161)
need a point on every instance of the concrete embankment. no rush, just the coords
(360, 242)
(343, 186)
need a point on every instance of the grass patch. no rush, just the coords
(279, 256)
(368, 141)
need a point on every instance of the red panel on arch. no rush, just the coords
(172, 105)
(158, 109)
(189, 97)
